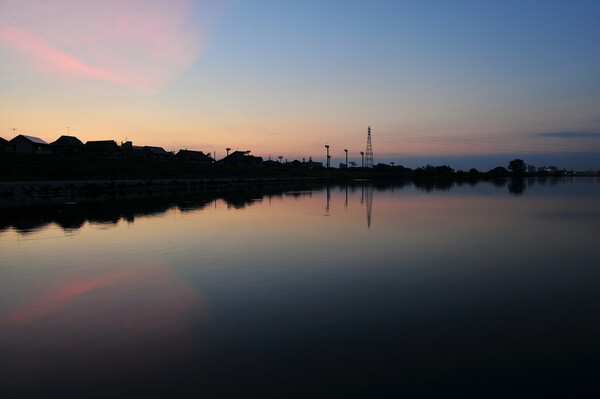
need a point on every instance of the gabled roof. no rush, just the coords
(33, 139)
(241, 157)
(2, 141)
(70, 141)
(156, 150)
(102, 145)
(193, 155)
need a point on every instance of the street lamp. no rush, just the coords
(346, 158)
(326, 146)
(227, 149)
(362, 154)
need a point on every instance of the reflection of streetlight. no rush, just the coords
(362, 154)
(346, 157)
(326, 146)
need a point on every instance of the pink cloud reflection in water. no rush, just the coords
(101, 324)
(140, 44)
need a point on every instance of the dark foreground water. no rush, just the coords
(349, 291)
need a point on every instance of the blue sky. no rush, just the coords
(436, 80)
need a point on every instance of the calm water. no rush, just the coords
(341, 291)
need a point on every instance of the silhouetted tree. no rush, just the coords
(498, 171)
(517, 166)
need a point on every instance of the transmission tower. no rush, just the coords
(369, 152)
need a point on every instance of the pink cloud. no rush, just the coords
(140, 44)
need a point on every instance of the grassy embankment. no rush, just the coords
(28, 167)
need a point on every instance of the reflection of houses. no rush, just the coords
(2, 144)
(196, 156)
(103, 148)
(28, 144)
(67, 145)
(241, 158)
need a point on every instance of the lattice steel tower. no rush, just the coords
(369, 152)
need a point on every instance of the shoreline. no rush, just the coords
(36, 192)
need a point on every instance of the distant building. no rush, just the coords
(294, 164)
(196, 156)
(67, 145)
(28, 145)
(241, 158)
(156, 152)
(312, 164)
(102, 148)
(271, 164)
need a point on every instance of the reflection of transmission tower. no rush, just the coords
(369, 152)
(369, 198)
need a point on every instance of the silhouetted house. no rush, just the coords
(269, 163)
(2, 144)
(28, 144)
(67, 145)
(155, 153)
(312, 164)
(294, 164)
(196, 156)
(146, 152)
(241, 158)
(103, 148)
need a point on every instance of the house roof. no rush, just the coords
(68, 141)
(102, 145)
(156, 150)
(3, 141)
(238, 157)
(193, 155)
(33, 139)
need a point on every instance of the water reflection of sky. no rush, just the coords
(445, 283)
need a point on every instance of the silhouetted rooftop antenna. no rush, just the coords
(369, 151)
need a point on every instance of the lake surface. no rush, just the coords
(350, 291)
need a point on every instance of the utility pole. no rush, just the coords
(326, 146)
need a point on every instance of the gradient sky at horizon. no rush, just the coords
(436, 80)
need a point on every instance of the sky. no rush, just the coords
(464, 83)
